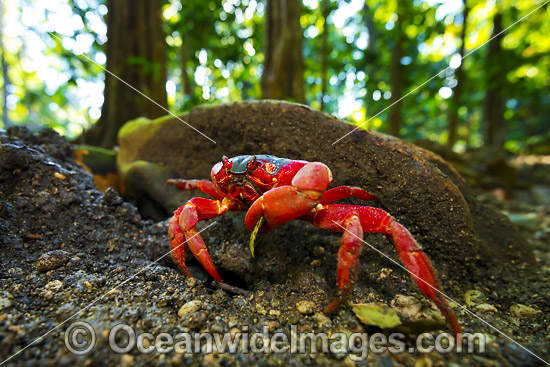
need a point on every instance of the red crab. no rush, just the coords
(277, 190)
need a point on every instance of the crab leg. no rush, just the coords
(205, 186)
(343, 192)
(359, 219)
(182, 229)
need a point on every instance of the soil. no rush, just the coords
(71, 253)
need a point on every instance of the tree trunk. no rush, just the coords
(136, 54)
(283, 75)
(185, 77)
(324, 53)
(455, 102)
(495, 125)
(372, 65)
(6, 79)
(396, 70)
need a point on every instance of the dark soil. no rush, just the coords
(72, 253)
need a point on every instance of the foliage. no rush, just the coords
(215, 53)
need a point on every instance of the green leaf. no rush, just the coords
(377, 314)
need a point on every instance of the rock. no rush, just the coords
(406, 306)
(6, 299)
(473, 297)
(275, 313)
(260, 309)
(523, 311)
(189, 308)
(52, 260)
(217, 328)
(322, 319)
(316, 263)
(220, 297)
(195, 321)
(54, 285)
(127, 360)
(305, 307)
(318, 251)
(51, 288)
(485, 307)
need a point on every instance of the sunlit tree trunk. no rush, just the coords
(396, 70)
(495, 125)
(371, 61)
(324, 53)
(6, 79)
(185, 77)
(283, 75)
(135, 52)
(457, 93)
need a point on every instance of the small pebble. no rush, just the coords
(54, 285)
(261, 309)
(322, 319)
(5, 299)
(318, 251)
(52, 260)
(473, 297)
(407, 307)
(220, 297)
(59, 176)
(191, 282)
(127, 360)
(190, 308)
(275, 313)
(305, 307)
(272, 325)
(217, 328)
(195, 321)
(315, 263)
(485, 307)
(523, 312)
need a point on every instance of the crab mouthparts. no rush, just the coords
(244, 189)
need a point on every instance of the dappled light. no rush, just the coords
(220, 46)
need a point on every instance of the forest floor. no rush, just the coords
(71, 253)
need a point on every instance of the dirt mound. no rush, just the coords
(71, 253)
(420, 189)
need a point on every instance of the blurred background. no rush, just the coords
(350, 58)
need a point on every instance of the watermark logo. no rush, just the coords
(80, 338)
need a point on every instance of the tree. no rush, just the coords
(459, 76)
(396, 69)
(4, 66)
(283, 75)
(136, 54)
(495, 125)
(324, 53)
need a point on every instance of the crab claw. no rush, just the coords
(285, 203)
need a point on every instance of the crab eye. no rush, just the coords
(226, 163)
(270, 168)
(252, 164)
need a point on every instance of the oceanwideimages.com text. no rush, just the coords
(80, 339)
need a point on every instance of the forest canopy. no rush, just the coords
(350, 58)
